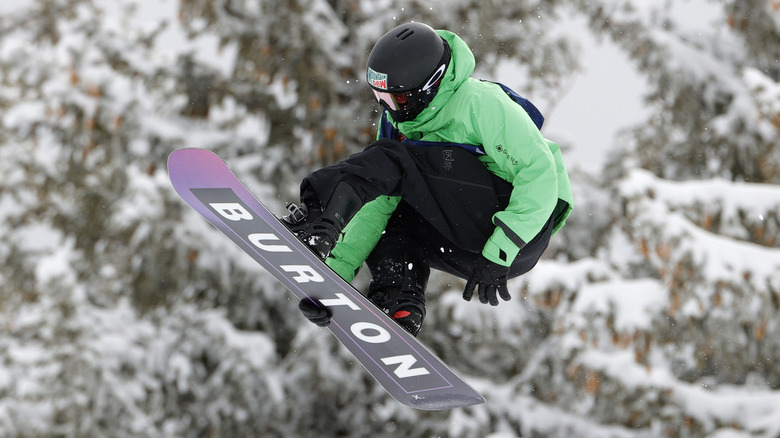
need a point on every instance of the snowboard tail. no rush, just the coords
(407, 370)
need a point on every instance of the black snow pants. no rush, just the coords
(444, 218)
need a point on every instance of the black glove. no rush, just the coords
(315, 312)
(491, 278)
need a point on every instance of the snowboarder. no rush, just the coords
(459, 180)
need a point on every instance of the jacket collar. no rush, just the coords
(461, 66)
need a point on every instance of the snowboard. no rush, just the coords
(398, 361)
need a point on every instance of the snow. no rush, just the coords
(733, 405)
(140, 18)
(633, 303)
(722, 257)
(750, 198)
(284, 92)
(55, 265)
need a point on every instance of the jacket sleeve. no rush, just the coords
(361, 236)
(517, 151)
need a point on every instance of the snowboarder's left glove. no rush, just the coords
(314, 312)
(491, 278)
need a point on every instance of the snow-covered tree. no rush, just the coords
(674, 338)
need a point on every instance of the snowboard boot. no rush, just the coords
(320, 229)
(400, 274)
(407, 308)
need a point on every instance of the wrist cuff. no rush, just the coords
(500, 249)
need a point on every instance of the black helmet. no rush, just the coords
(405, 68)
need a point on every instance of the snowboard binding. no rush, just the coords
(320, 229)
(319, 236)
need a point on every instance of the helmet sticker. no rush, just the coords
(376, 79)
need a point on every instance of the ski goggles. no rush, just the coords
(394, 101)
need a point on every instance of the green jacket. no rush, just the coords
(469, 111)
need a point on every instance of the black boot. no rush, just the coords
(400, 274)
(407, 307)
(319, 229)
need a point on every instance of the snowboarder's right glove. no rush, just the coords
(491, 278)
(315, 312)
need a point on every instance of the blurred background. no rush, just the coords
(122, 313)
